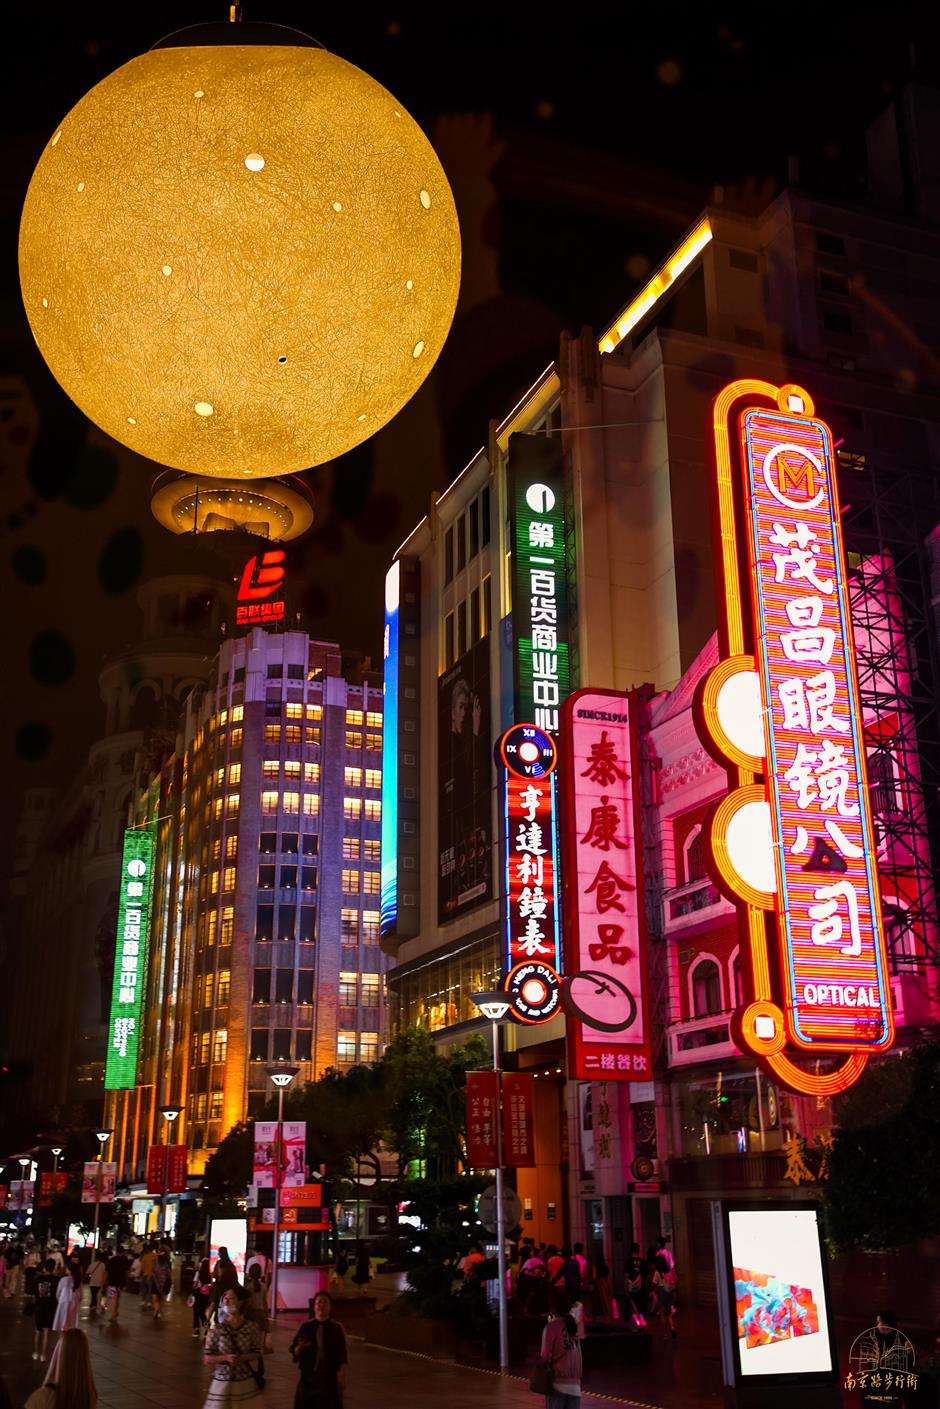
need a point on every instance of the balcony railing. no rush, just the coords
(690, 903)
(700, 1039)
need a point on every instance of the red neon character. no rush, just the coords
(608, 886)
(605, 823)
(604, 764)
(269, 578)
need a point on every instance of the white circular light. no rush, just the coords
(540, 499)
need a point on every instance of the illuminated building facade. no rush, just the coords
(841, 299)
(265, 912)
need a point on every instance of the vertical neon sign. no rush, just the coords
(130, 959)
(390, 652)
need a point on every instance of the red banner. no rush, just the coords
(482, 1114)
(51, 1185)
(156, 1169)
(518, 1122)
(177, 1173)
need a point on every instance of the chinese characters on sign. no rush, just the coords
(539, 584)
(518, 1121)
(533, 939)
(828, 906)
(257, 584)
(130, 959)
(605, 933)
(482, 1115)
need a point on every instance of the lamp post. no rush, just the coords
(281, 1077)
(56, 1152)
(169, 1113)
(103, 1135)
(495, 1006)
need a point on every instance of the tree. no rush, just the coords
(882, 1189)
(425, 1101)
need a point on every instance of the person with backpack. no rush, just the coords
(44, 1299)
(561, 1355)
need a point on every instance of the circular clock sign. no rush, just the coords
(527, 752)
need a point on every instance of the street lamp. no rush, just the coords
(494, 1006)
(281, 1077)
(103, 1135)
(56, 1152)
(169, 1113)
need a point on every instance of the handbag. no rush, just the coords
(543, 1377)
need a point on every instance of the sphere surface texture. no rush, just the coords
(239, 259)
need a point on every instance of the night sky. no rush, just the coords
(579, 144)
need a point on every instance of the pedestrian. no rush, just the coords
(31, 1265)
(145, 1265)
(256, 1305)
(571, 1274)
(533, 1284)
(260, 1260)
(363, 1273)
(561, 1352)
(664, 1293)
(68, 1298)
(340, 1272)
(232, 1348)
(44, 1290)
(663, 1250)
(472, 1259)
(581, 1260)
(97, 1280)
(224, 1278)
(555, 1264)
(202, 1290)
(319, 1351)
(118, 1264)
(600, 1276)
(161, 1280)
(69, 1382)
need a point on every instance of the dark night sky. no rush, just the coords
(579, 148)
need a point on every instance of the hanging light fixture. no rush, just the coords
(239, 254)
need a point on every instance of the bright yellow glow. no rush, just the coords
(638, 307)
(239, 259)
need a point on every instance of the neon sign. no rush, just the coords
(389, 894)
(783, 706)
(258, 583)
(539, 582)
(532, 930)
(605, 990)
(130, 959)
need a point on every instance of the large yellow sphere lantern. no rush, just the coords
(239, 257)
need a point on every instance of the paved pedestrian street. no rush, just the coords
(139, 1363)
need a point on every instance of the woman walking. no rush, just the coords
(664, 1292)
(68, 1298)
(97, 1280)
(161, 1279)
(561, 1351)
(232, 1348)
(44, 1290)
(319, 1350)
(69, 1382)
(202, 1290)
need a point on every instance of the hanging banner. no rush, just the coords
(294, 1153)
(177, 1169)
(94, 1191)
(21, 1193)
(265, 1160)
(605, 992)
(532, 946)
(156, 1169)
(482, 1115)
(50, 1186)
(518, 1120)
(302, 1209)
(130, 958)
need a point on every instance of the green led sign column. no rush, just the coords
(539, 580)
(130, 959)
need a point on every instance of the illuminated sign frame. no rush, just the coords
(258, 583)
(605, 993)
(130, 958)
(390, 695)
(783, 705)
(401, 744)
(531, 904)
(539, 579)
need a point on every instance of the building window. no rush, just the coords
(485, 516)
(314, 711)
(217, 809)
(305, 988)
(351, 848)
(369, 1047)
(737, 981)
(207, 984)
(259, 1043)
(275, 672)
(292, 769)
(308, 877)
(352, 777)
(227, 925)
(312, 734)
(308, 914)
(272, 733)
(706, 989)
(234, 773)
(311, 773)
(374, 719)
(231, 846)
(346, 1048)
(371, 883)
(199, 1106)
(348, 992)
(294, 709)
(224, 988)
(285, 986)
(304, 1044)
(310, 844)
(289, 877)
(261, 988)
(370, 926)
(215, 1105)
(352, 807)
(286, 922)
(373, 850)
(374, 778)
(311, 804)
(291, 803)
(282, 1044)
(462, 628)
(214, 883)
(449, 656)
(349, 925)
(269, 802)
(238, 713)
(264, 924)
(460, 533)
(353, 739)
(217, 849)
(475, 624)
(355, 716)
(228, 878)
(271, 768)
(266, 877)
(231, 805)
(289, 842)
(350, 881)
(219, 777)
(449, 556)
(473, 516)
(370, 990)
(695, 868)
(374, 743)
(219, 1045)
(373, 810)
(204, 1040)
(267, 843)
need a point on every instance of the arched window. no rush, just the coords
(706, 989)
(695, 868)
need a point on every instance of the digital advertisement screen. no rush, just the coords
(465, 774)
(780, 1306)
(231, 1233)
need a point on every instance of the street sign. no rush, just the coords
(486, 1208)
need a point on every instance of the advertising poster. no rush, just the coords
(265, 1161)
(21, 1193)
(482, 1114)
(177, 1169)
(294, 1153)
(95, 1191)
(781, 1314)
(50, 1186)
(465, 774)
(130, 958)
(518, 1120)
(156, 1169)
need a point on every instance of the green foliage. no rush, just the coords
(450, 1228)
(882, 1190)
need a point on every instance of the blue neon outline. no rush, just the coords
(750, 468)
(388, 886)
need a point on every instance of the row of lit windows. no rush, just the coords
(350, 986)
(346, 1047)
(272, 801)
(371, 882)
(353, 777)
(353, 808)
(353, 849)
(220, 985)
(210, 1046)
(349, 925)
(372, 718)
(284, 986)
(273, 768)
(292, 733)
(202, 1102)
(228, 880)
(231, 847)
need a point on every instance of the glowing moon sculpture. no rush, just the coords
(239, 258)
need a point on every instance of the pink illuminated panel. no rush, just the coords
(605, 933)
(828, 915)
